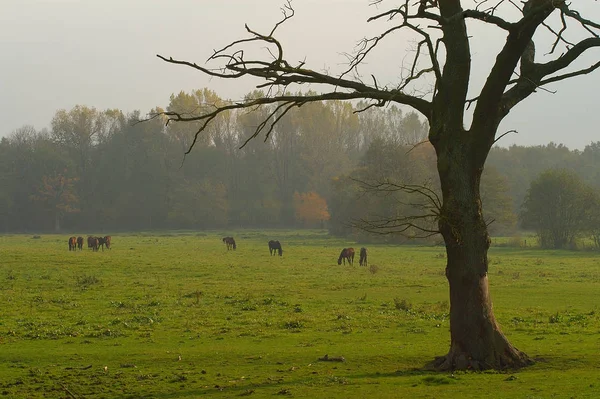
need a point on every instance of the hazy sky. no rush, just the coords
(102, 53)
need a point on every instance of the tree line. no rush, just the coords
(333, 164)
(108, 170)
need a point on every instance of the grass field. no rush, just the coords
(177, 316)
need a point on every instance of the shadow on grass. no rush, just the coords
(287, 387)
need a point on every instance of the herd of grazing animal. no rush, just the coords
(95, 243)
(347, 254)
(76, 243)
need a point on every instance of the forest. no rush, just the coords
(323, 165)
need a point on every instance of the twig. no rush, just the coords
(71, 394)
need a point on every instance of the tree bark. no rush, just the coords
(477, 343)
(57, 222)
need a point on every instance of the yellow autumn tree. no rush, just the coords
(310, 208)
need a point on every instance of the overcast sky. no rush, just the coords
(102, 53)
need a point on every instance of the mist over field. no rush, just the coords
(321, 203)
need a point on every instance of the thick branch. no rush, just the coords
(570, 56)
(534, 78)
(483, 17)
(452, 88)
(486, 117)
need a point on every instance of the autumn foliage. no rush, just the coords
(310, 208)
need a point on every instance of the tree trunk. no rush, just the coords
(57, 222)
(477, 343)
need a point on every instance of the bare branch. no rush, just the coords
(534, 78)
(427, 212)
(504, 134)
(482, 16)
(566, 59)
(518, 47)
(585, 23)
(278, 74)
(571, 75)
(367, 45)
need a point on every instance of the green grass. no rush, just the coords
(177, 316)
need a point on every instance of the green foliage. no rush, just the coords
(557, 207)
(176, 315)
(130, 175)
(126, 175)
(521, 165)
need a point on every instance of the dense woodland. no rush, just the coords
(321, 166)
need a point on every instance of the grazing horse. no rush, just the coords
(363, 257)
(346, 254)
(80, 243)
(107, 241)
(275, 247)
(72, 243)
(229, 242)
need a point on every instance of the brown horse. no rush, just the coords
(90, 241)
(80, 243)
(107, 241)
(72, 243)
(363, 257)
(275, 247)
(95, 244)
(346, 254)
(229, 242)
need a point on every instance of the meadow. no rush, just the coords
(176, 315)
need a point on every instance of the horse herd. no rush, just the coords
(94, 243)
(347, 254)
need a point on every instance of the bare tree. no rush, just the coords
(442, 55)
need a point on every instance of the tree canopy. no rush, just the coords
(559, 206)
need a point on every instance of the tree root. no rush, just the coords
(461, 361)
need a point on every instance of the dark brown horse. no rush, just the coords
(101, 242)
(90, 241)
(229, 242)
(72, 243)
(363, 257)
(80, 243)
(346, 254)
(275, 247)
